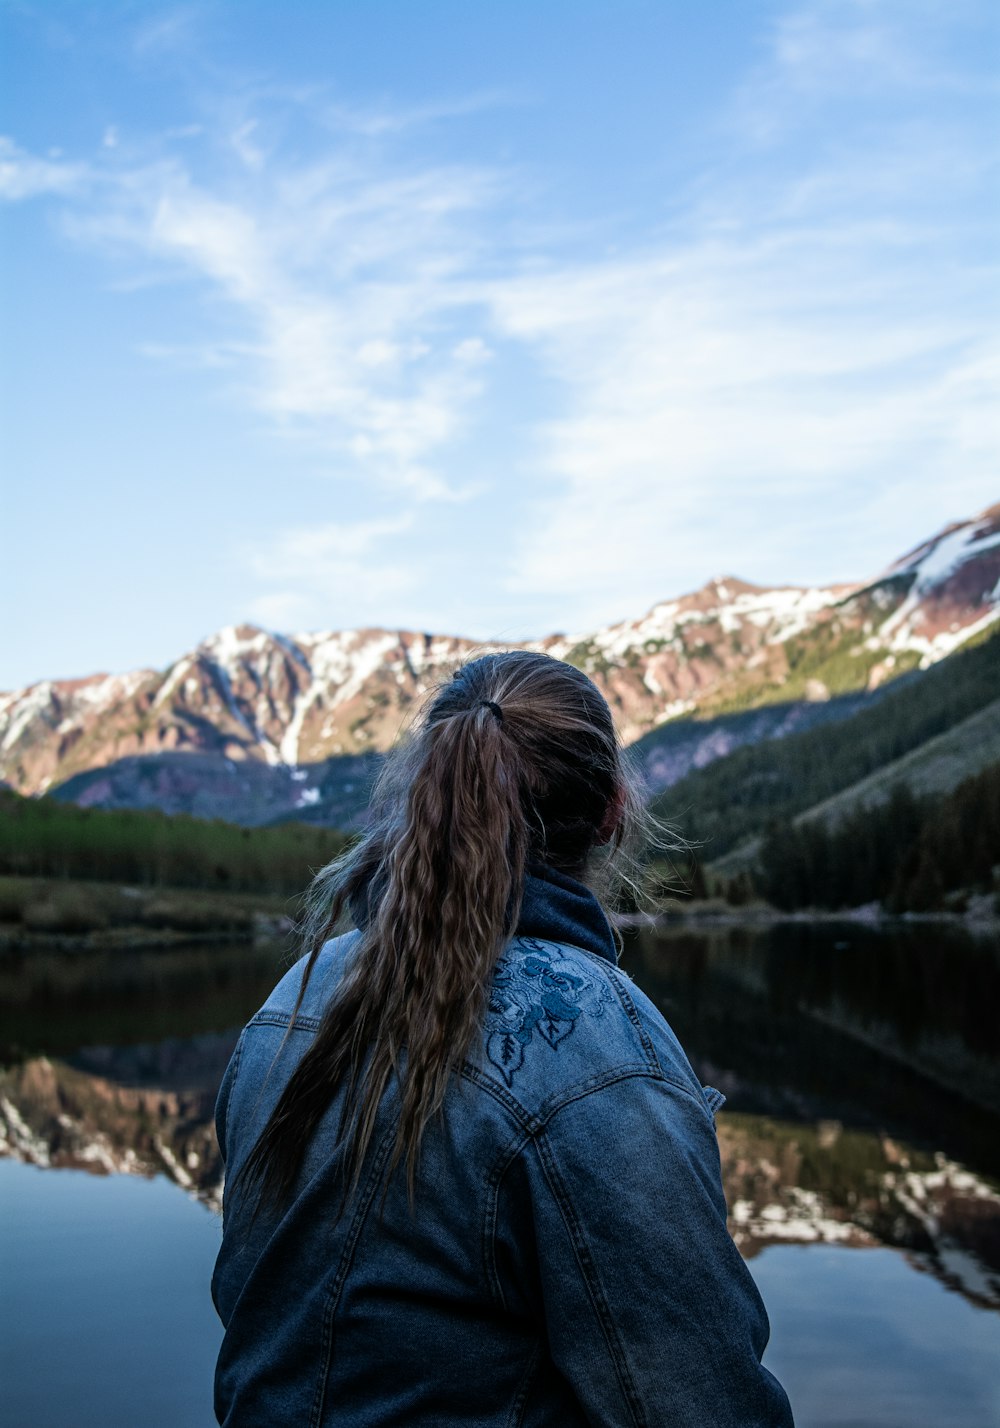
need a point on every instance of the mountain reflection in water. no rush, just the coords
(861, 1072)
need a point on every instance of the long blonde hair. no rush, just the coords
(515, 758)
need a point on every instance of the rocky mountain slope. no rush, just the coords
(929, 730)
(272, 715)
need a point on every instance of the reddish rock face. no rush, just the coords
(248, 696)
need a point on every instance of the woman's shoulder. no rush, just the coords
(323, 977)
(562, 1022)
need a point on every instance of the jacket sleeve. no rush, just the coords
(222, 1099)
(651, 1314)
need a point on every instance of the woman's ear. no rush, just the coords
(612, 815)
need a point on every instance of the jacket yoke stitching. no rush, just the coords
(270, 1017)
(566, 1095)
(470, 1072)
(618, 980)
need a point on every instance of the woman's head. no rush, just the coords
(517, 748)
(558, 741)
(513, 759)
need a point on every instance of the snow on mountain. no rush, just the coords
(954, 588)
(725, 601)
(250, 696)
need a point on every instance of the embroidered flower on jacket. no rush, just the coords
(536, 987)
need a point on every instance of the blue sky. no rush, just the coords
(491, 319)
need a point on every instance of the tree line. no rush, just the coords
(40, 837)
(910, 854)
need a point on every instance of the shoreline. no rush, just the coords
(76, 916)
(126, 939)
(977, 920)
(15, 939)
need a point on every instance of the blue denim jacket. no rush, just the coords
(566, 1260)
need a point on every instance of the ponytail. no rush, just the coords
(516, 757)
(450, 904)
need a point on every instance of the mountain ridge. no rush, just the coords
(293, 703)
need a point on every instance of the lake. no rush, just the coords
(860, 1149)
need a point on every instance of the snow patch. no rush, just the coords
(34, 701)
(178, 672)
(934, 562)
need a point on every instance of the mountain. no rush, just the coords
(933, 768)
(728, 803)
(929, 769)
(272, 716)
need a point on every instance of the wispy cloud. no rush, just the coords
(350, 288)
(732, 393)
(167, 31)
(803, 365)
(24, 175)
(378, 120)
(805, 353)
(311, 572)
(875, 51)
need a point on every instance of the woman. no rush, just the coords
(472, 1177)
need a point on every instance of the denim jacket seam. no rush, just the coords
(601, 958)
(271, 1017)
(470, 1072)
(533, 1122)
(665, 1078)
(660, 1074)
(337, 1283)
(577, 1090)
(494, 1180)
(531, 1129)
(619, 980)
(237, 1058)
(517, 1407)
(593, 1287)
(238, 1054)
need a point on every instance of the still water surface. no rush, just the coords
(860, 1155)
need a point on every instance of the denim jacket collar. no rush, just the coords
(554, 907)
(558, 908)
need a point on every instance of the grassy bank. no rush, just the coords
(75, 913)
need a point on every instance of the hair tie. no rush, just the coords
(495, 709)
